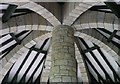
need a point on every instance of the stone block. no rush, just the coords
(60, 62)
(82, 65)
(55, 69)
(24, 49)
(17, 56)
(1, 78)
(93, 25)
(64, 73)
(46, 71)
(47, 14)
(65, 67)
(108, 26)
(47, 67)
(34, 27)
(74, 79)
(3, 71)
(42, 27)
(4, 31)
(12, 60)
(77, 11)
(20, 52)
(28, 27)
(80, 61)
(100, 25)
(44, 79)
(66, 79)
(42, 11)
(74, 14)
(57, 79)
(13, 29)
(28, 45)
(4, 61)
(49, 28)
(72, 73)
(48, 63)
(8, 66)
(32, 42)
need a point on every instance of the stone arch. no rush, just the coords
(39, 10)
(48, 59)
(99, 43)
(79, 9)
(15, 57)
(20, 28)
(95, 19)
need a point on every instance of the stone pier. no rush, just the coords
(64, 66)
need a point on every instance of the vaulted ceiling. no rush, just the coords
(25, 26)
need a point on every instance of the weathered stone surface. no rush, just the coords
(63, 68)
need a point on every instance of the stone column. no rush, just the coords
(63, 67)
